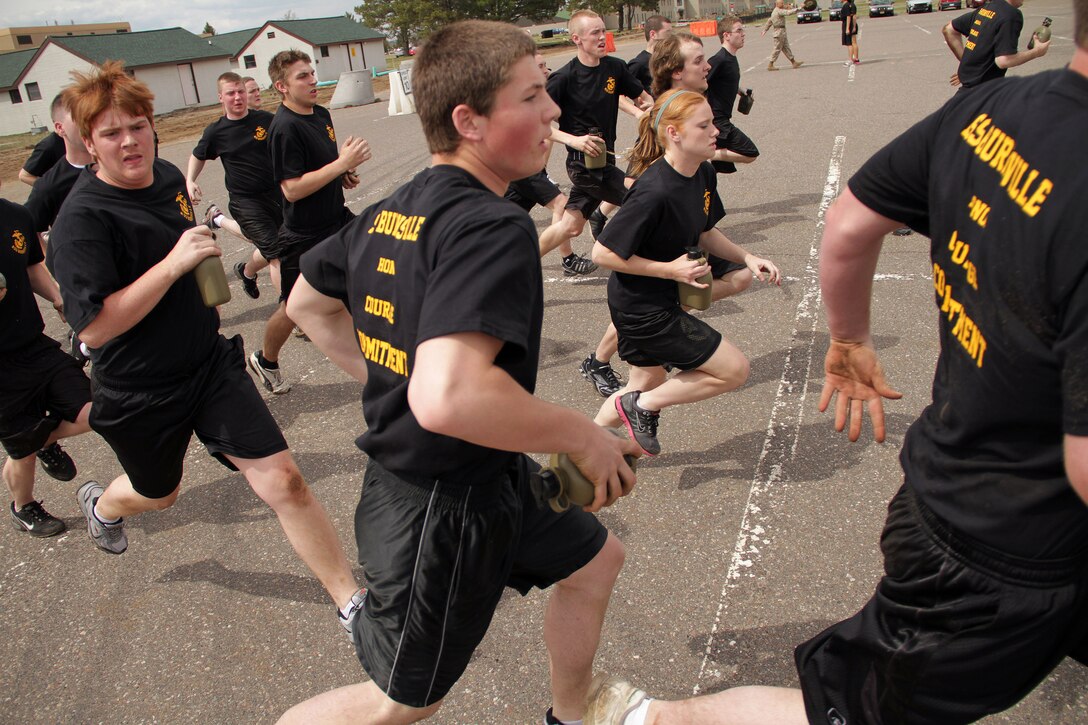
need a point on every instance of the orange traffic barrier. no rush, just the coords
(703, 28)
(609, 43)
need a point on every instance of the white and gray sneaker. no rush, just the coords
(110, 538)
(348, 615)
(271, 378)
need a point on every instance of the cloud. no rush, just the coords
(155, 14)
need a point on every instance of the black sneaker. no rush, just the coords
(597, 220)
(35, 520)
(601, 375)
(641, 424)
(576, 265)
(903, 232)
(249, 284)
(57, 463)
(76, 349)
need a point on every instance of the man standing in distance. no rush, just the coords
(723, 89)
(240, 139)
(123, 250)
(447, 520)
(992, 33)
(587, 90)
(312, 176)
(777, 23)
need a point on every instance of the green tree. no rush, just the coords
(408, 20)
(208, 29)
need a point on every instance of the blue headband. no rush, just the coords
(665, 105)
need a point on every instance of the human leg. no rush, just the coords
(726, 370)
(360, 703)
(640, 378)
(597, 367)
(616, 702)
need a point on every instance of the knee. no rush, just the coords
(739, 368)
(742, 280)
(283, 485)
(161, 504)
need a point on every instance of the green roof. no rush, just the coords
(326, 31)
(12, 66)
(234, 42)
(148, 47)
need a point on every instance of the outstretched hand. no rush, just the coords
(853, 371)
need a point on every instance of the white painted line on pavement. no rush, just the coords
(850, 78)
(927, 32)
(787, 412)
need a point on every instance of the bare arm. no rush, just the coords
(628, 106)
(1011, 61)
(848, 255)
(953, 40)
(328, 324)
(191, 172)
(680, 269)
(457, 390)
(45, 286)
(354, 152)
(26, 177)
(589, 145)
(1076, 464)
(718, 244)
(123, 309)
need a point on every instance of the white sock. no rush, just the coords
(218, 219)
(638, 717)
(101, 520)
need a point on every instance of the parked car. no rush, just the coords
(835, 11)
(919, 6)
(809, 16)
(880, 7)
(951, 5)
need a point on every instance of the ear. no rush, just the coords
(89, 145)
(58, 128)
(469, 124)
(672, 133)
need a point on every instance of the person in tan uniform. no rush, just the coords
(777, 21)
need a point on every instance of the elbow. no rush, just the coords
(433, 406)
(599, 254)
(1003, 62)
(91, 339)
(288, 193)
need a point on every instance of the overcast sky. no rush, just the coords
(224, 15)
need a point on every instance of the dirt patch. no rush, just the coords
(181, 125)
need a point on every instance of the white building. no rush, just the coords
(336, 45)
(180, 69)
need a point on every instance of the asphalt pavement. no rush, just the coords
(755, 528)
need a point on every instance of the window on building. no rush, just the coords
(324, 51)
(250, 61)
(271, 34)
(15, 97)
(33, 93)
(24, 40)
(121, 30)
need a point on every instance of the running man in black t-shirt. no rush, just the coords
(434, 299)
(51, 188)
(723, 89)
(123, 250)
(986, 544)
(46, 153)
(984, 41)
(587, 91)
(240, 139)
(672, 207)
(312, 175)
(44, 395)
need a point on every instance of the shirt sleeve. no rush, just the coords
(629, 85)
(895, 181)
(325, 266)
(474, 287)
(557, 85)
(205, 148)
(288, 156)
(1008, 35)
(631, 225)
(46, 153)
(83, 267)
(40, 207)
(962, 23)
(716, 211)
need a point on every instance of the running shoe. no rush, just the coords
(640, 424)
(577, 265)
(601, 375)
(249, 284)
(210, 215)
(611, 700)
(271, 378)
(57, 463)
(110, 538)
(77, 349)
(35, 520)
(347, 621)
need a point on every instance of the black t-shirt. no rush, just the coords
(640, 69)
(990, 31)
(723, 82)
(301, 144)
(589, 96)
(49, 193)
(997, 181)
(848, 9)
(20, 319)
(243, 146)
(441, 256)
(662, 214)
(46, 153)
(104, 239)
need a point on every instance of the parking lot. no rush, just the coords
(755, 528)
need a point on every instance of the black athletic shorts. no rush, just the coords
(260, 218)
(293, 245)
(666, 337)
(732, 138)
(955, 631)
(720, 267)
(149, 428)
(592, 186)
(41, 387)
(533, 190)
(436, 557)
